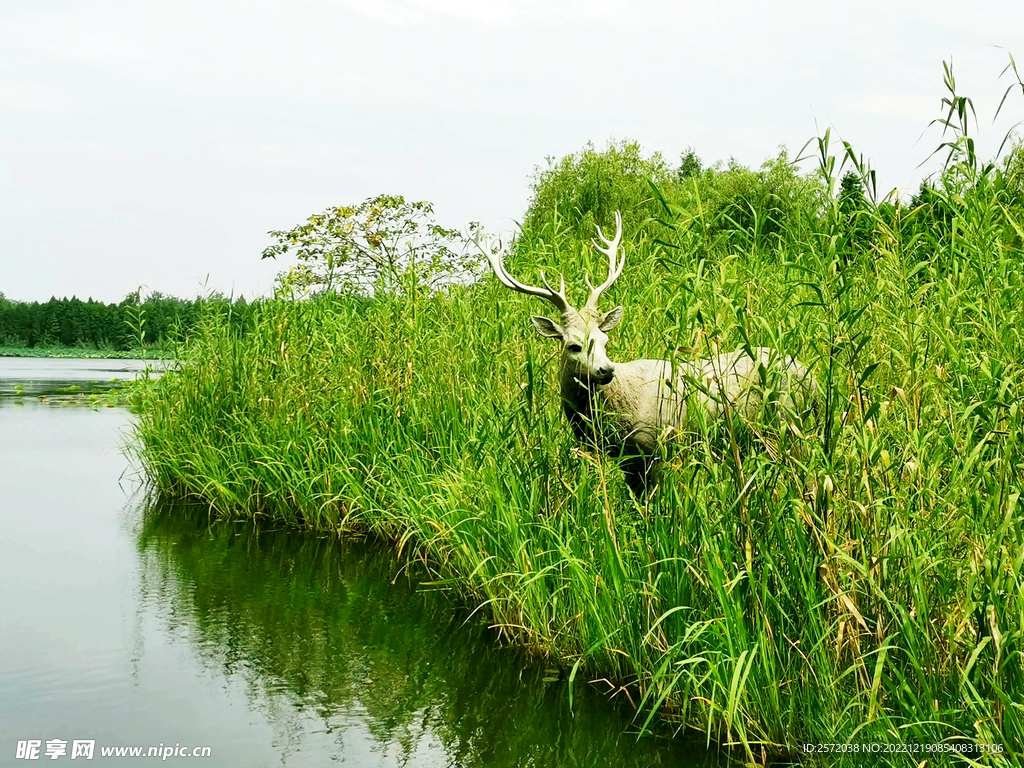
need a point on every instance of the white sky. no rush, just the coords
(155, 144)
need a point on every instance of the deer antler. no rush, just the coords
(615, 264)
(497, 259)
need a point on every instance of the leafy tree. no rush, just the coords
(932, 211)
(586, 188)
(855, 216)
(764, 204)
(690, 165)
(376, 246)
(1013, 180)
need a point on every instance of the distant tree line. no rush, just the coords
(155, 320)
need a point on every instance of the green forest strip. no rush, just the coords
(75, 328)
(861, 584)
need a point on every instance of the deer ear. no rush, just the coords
(610, 319)
(547, 327)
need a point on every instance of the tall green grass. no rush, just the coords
(859, 586)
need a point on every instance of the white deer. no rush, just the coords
(638, 403)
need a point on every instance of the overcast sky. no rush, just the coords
(155, 144)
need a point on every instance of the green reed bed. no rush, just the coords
(860, 585)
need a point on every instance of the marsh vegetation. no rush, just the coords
(864, 589)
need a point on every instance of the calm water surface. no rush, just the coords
(143, 625)
(31, 376)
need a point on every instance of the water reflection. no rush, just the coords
(331, 643)
(35, 376)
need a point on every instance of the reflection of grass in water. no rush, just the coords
(72, 396)
(331, 623)
(111, 393)
(111, 399)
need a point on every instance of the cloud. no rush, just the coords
(496, 12)
(500, 12)
(33, 99)
(68, 37)
(399, 14)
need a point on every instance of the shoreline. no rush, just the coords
(83, 354)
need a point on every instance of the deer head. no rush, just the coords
(583, 331)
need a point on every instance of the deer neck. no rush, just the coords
(579, 399)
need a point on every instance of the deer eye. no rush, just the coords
(574, 348)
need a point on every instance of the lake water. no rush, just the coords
(129, 623)
(33, 376)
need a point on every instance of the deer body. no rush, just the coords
(647, 400)
(631, 406)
